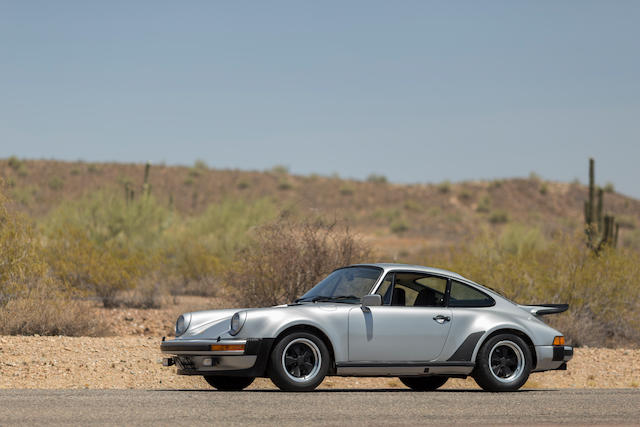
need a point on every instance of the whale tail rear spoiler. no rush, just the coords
(544, 309)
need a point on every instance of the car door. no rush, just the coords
(412, 325)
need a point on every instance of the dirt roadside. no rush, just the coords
(133, 362)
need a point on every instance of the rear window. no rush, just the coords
(465, 296)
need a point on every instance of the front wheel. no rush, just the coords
(503, 363)
(225, 383)
(429, 383)
(299, 362)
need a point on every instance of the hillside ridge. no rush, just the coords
(431, 214)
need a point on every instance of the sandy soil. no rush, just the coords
(134, 362)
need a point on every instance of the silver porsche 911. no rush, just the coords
(423, 325)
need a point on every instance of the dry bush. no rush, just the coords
(48, 309)
(286, 259)
(151, 291)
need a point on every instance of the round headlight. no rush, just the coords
(237, 321)
(182, 324)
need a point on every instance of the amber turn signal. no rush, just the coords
(558, 341)
(227, 347)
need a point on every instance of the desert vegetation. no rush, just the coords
(76, 236)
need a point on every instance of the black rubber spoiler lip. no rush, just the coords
(544, 309)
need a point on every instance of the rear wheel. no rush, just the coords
(299, 362)
(429, 383)
(225, 383)
(503, 363)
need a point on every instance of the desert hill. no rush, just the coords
(398, 217)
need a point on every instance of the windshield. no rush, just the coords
(346, 285)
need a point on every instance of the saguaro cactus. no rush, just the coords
(146, 187)
(601, 230)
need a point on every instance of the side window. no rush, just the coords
(385, 289)
(418, 290)
(465, 296)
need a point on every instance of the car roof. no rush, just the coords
(416, 268)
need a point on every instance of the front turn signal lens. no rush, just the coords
(558, 341)
(227, 347)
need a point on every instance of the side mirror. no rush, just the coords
(372, 300)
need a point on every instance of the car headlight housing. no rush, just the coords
(182, 324)
(237, 321)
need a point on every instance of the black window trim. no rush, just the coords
(463, 282)
(424, 273)
(447, 295)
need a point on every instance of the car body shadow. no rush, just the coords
(350, 390)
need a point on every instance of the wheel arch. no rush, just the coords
(303, 327)
(516, 332)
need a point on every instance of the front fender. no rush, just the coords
(331, 320)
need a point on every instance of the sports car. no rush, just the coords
(423, 325)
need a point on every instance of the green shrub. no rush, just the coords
(609, 187)
(280, 170)
(103, 270)
(444, 187)
(378, 179)
(496, 183)
(499, 217)
(465, 195)
(399, 225)
(222, 228)
(544, 189)
(21, 261)
(285, 184)
(14, 163)
(56, 183)
(412, 206)
(346, 190)
(93, 168)
(484, 205)
(243, 184)
(200, 165)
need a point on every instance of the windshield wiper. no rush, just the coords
(337, 298)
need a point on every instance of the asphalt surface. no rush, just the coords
(326, 407)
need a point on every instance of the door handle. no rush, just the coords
(441, 319)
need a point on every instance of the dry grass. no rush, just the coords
(48, 313)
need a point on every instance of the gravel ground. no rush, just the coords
(134, 362)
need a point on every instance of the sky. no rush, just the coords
(418, 91)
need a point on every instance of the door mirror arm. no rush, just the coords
(371, 301)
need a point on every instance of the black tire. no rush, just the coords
(503, 363)
(429, 383)
(299, 362)
(225, 383)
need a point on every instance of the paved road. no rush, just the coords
(332, 407)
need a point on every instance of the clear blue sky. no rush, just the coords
(419, 91)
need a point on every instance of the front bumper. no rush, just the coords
(552, 357)
(202, 357)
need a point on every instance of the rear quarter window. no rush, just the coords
(465, 296)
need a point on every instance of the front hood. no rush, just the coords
(216, 323)
(206, 319)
